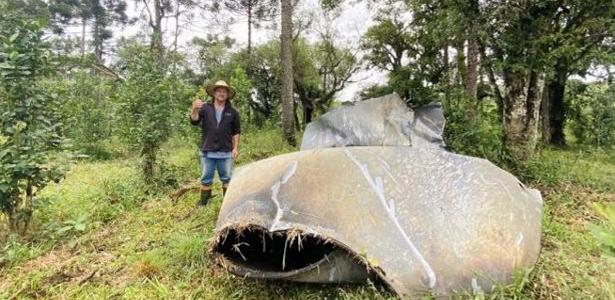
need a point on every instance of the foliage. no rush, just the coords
(103, 14)
(263, 68)
(605, 234)
(321, 70)
(87, 109)
(213, 57)
(470, 133)
(77, 225)
(14, 251)
(591, 114)
(242, 85)
(414, 61)
(30, 127)
(148, 113)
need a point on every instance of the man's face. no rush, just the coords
(221, 94)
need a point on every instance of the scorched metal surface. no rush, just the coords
(420, 218)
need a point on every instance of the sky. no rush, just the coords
(351, 23)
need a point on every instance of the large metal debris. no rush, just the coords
(383, 121)
(420, 218)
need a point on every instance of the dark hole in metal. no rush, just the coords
(273, 252)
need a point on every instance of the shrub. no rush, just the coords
(591, 114)
(30, 127)
(148, 110)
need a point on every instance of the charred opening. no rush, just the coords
(256, 248)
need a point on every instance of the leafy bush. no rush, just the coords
(30, 127)
(591, 113)
(148, 110)
(75, 225)
(473, 130)
(243, 87)
(14, 252)
(87, 110)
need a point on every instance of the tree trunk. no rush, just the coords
(306, 104)
(287, 72)
(83, 26)
(98, 41)
(157, 45)
(471, 83)
(553, 108)
(249, 30)
(520, 119)
(462, 71)
(447, 74)
(176, 36)
(149, 163)
(296, 117)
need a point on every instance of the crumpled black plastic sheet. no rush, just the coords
(400, 209)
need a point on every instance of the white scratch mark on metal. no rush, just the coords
(476, 289)
(377, 187)
(387, 168)
(519, 239)
(275, 189)
(274, 197)
(290, 171)
(332, 274)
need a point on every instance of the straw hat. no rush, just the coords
(221, 83)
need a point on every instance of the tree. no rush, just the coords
(522, 44)
(591, 112)
(214, 55)
(322, 70)
(104, 14)
(30, 127)
(413, 59)
(456, 24)
(517, 29)
(287, 72)
(240, 81)
(579, 32)
(147, 109)
(265, 76)
(154, 19)
(255, 11)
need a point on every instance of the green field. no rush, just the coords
(101, 235)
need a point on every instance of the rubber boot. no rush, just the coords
(205, 196)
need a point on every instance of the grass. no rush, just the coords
(99, 235)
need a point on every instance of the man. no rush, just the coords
(219, 122)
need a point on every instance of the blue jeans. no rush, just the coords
(209, 166)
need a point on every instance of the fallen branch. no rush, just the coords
(82, 281)
(181, 191)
